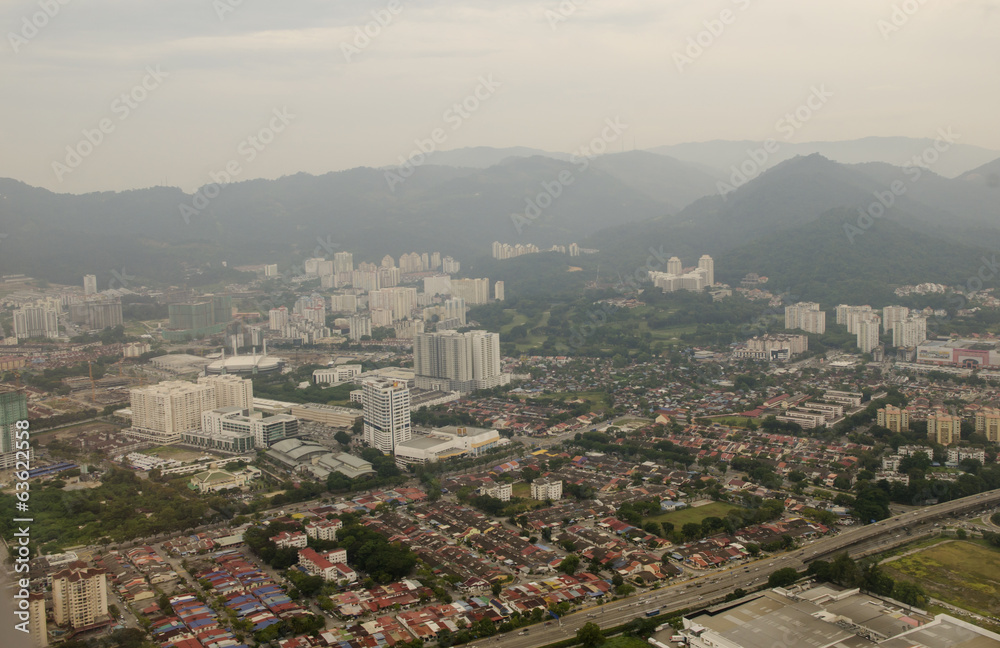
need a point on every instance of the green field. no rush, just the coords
(964, 574)
(684, 516)
(734, 421)
(521, 489)
(594, 398)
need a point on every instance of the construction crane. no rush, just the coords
(93, 390)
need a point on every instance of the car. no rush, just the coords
(523, 632)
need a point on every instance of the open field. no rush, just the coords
(521, 489)
(734, 421)
(77, 430)
(684, 516)
(594, 398)
(964, 574)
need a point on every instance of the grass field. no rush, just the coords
(521, 489)
(734, 421)
(684, 516)
(594, 398)
(964, 574)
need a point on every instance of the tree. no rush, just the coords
(909, 593)
(590, 635)
(782, 577)
(496, 588)
(569, 564)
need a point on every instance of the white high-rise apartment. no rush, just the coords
(39, 320)
(893, 314)
(850, 316)
(361, 326)
(230, 390)
(344, 303)
(435, 260)
(386, 406)
(400, 301)
(868, 334)
(89, 284)
(450, 265)
(498, 291)
(79, 596)
(805, 316)
(452, 361)
(162, 412)
(343, 262)
(473, 291)
(909, 332)
(674, 266)
(707, 264)
(277, 318)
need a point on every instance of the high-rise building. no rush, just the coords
(435, 260)
(39, 320)
(574, 249)
(894, 418)
(343, 262)
(546, 489)
(386, 406)
(230, 390)
(868, 334)
(805, 316)
(400, 301)
(674, 266)
(944, 428)
(205, 317)
(13, 408)
(388, 262)
(277, 318)
(707, 264)
(473, 291)
(893, 314)
(450, 265)
(463, 362)
(37, 623)
(162, 412)
(344, 303)
(909, 332)
(988, 423)
(89, 284)
(361, 325)
(498, 291)
(850, 316)
(79, 597)
(97, 314)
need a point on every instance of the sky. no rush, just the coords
(111, 95)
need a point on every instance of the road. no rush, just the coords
(714, 586)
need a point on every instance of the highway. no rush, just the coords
(713, 586)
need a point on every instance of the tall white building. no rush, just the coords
(473, 291)
(707, 264)
(277, 318)
(498, 291)
(463, 362)
(343, 262)
(450, 265)
(909, 332)
(162, 412)
(893, 314)
(400, 301)
(39, 320)
(230, 390)
(674, 266)
(868, 334)
(805, 316)
(361, 325)
(386, 406)
(344, 303)
(79, 596)
(89, 284)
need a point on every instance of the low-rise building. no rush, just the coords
(546, 489)
(287, 539)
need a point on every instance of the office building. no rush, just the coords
(89, 284)
(868, 334)
(462, 362)
(386, 407)
(910, 331)
(473, 291)
(80, 597)
(805, 316)
(237, 431)
(40, 320)
(546, 489)
(336, 375)
(988, 424)
(498, 291)
(944, 428)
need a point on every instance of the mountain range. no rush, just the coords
(621, 204)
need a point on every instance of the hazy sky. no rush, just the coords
(562, 69)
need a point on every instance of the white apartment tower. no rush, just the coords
(40, 320)
(498, 291)
(909, 332)
(79, 597)
(805, 316)
(386, 406)
(162, 412)
(893, 314)
(89, 284)
(230, 390)
(868, 334)
(453, 361)
(707, 264)
(674, 266)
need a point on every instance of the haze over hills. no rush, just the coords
(621, 204)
